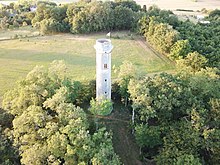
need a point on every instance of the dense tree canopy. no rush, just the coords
(95, 16)
(77, 17)
(15, 15)
(158, 33)
(126, 72)
(9, 154)
(85, 17)
(179, 49)
(50, 18)
(177, 115)
(48, 128)
(203, 39)
(175, 38)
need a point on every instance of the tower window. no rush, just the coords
(105, 66)
(105, 80)
(105, 93)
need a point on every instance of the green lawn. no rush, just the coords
(20, 32)
(18, 57)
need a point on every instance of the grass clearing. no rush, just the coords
(26, 31)
(19, 56)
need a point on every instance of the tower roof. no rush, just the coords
(103, 45)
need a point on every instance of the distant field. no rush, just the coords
(21, 32)
(181, 4)
(19, 56)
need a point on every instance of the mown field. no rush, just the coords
(19, 56)
(181, 4)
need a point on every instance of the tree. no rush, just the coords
(129, 4)
(148, 136)
(162, 29)
(143, 25)
(42, 12)
(192, 63)
(5, 119)
(160, 97)
(161, 36)
(179, 49)
(48, 128)
(94, 16)
(215, 14)
(104, 153)
(9, 153)
(211, 135)
(202, 38)
(124, 18)
(50, 18)
(126, 72)
(181, 139)
(177, 116)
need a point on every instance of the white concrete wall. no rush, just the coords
(103, 75)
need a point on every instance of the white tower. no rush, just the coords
(103, 68)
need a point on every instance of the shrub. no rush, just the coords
(103, 107)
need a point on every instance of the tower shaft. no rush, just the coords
(103, 69)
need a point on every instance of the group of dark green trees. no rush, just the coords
(85, 17)
(175, 118)
(46, 126)
(79, 17)
(15, 15)
(176, 39)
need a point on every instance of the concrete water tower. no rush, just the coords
(103, 68)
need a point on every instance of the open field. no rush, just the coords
(181, 4)
(21, 32)
(19, 56)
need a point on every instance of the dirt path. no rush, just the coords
(123, 141)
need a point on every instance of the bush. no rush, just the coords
(103, 107)
(187, 160)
